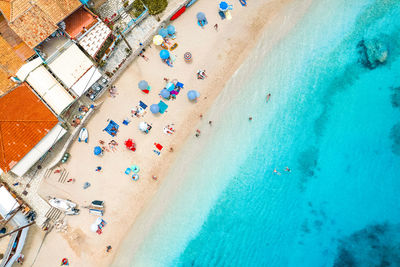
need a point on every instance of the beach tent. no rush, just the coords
(163, 32)
(154, 108)
(144, 86)
(97, 150)
(158, 40)
(201, 16)
(112, 128)
(164, 54)
(165, 93)
(223, 6)
(171, 29)
(163, 107)
(193, 95)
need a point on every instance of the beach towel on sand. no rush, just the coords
(112, 128)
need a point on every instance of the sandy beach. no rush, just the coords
(220, 52)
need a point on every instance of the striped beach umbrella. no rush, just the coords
(158, 40)
(187, 56)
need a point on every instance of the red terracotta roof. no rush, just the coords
(24, 121)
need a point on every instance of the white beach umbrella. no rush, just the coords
(94, 227)
(143, 126)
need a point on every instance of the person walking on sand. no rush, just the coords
(216, 26)
(210, 122)
(108, 248)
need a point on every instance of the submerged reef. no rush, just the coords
(375, 245)
(395, 136)
(395, 97)
(372, 52)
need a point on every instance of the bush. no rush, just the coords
(138, 8)
(156, 6)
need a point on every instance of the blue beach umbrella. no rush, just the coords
(171, 29)
(201, 16)
(154, 108)
(163, 32)
(223, 6)
(164, 54)
(193, 95)
(97, 150)
(165, 93)
(143, 85)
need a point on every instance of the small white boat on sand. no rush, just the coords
(66, 206)
(83, 135)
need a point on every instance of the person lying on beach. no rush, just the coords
(101, 142)
(197, 133)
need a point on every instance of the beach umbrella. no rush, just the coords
(163, 32)
(223, 6)
(164, 54)
(143, 85)
(201, 16)
(129, 143)
(143, 126)
(154, 108)
(97, 150)
(158, 40)
(193, 95)
(94, 227)
(165, 93)
(187, 56)
(171, 29)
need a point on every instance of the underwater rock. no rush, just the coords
(372, 52)
(308, 160)
(376, 245)
(396, 97)
(395, 136)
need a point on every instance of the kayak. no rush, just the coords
(178, 13)
(83, 135)
(191, 3)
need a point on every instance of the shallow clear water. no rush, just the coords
(330, 120)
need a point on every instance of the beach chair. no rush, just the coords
(163, 106)
(222, 15)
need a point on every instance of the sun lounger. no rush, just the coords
(163, 106)
(142, 105)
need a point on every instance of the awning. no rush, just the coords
(24, 71)
(86, 81)
(95, 38)
(47, 87)
(71, 65)
(7, 202)
(39, 150)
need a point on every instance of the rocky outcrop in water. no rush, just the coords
(376, 245)
(395, 97)
(395, 136)
(372, 53)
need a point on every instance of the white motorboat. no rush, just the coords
(83, 135)
(64, 205)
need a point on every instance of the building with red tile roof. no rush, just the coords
(24, 122)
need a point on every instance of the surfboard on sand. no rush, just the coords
(83, 135)
(191, 3)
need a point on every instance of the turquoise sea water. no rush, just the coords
(331, 120)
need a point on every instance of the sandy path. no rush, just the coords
(220, 53)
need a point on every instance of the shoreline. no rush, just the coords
(139, 222)
(82, 246)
